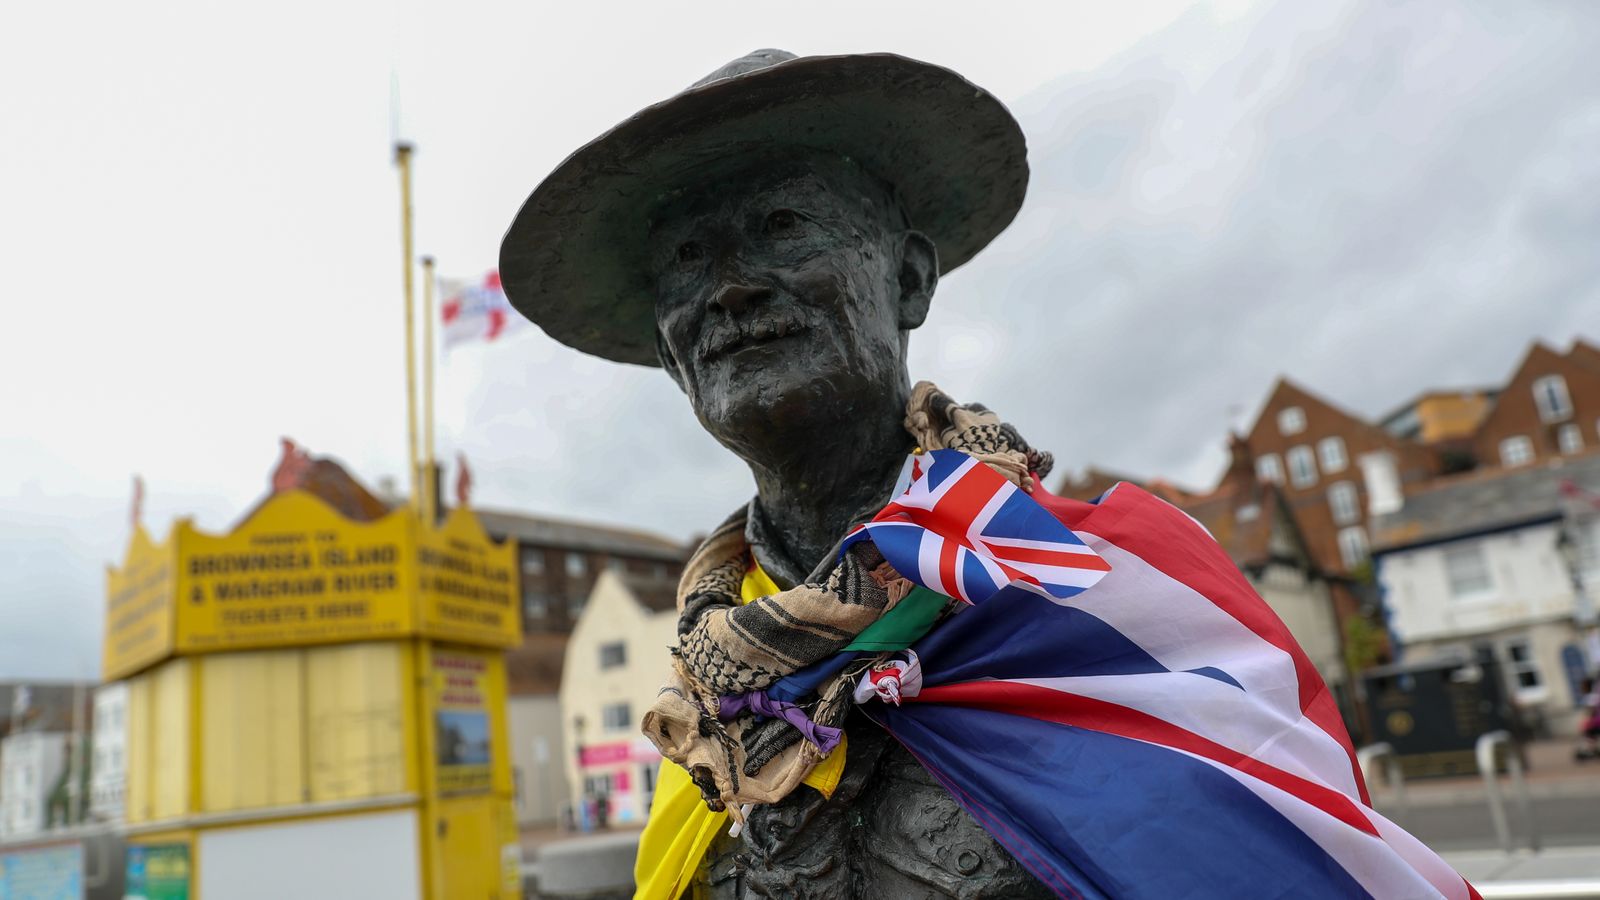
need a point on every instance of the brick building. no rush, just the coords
(561, 559)
(1312, 450)
(1252, 520)
(1549, 408)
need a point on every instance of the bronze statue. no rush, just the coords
(770, 237)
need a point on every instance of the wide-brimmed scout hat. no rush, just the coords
(574, 259)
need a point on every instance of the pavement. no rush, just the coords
(1452, 814)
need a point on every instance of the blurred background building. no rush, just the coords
(616, 662)
(562, 564)
(1461, 522)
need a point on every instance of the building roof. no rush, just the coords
(1248, 537)
(1487, 393)
(1483, 500)
(534, 667)
(1584, 353)
(568, 534)
(1093, 481)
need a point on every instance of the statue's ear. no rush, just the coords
(919, 275)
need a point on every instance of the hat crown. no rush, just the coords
(750, 62)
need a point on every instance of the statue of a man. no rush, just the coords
(770, 237)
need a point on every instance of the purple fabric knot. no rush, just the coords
(758, 702)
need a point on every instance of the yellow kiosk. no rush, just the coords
(317, 707)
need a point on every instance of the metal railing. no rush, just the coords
(1555, 889)
(1491, 788)
(1392, 773)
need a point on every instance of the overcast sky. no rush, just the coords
(199, 220)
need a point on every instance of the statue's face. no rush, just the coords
(784, 287)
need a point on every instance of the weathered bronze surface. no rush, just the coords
(786, 292)
(770, 237)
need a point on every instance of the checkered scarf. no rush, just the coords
(725, 648)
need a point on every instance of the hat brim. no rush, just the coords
(574, 259)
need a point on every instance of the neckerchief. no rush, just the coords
(728, 650)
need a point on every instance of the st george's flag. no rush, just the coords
(1118, 707)
(476, 310)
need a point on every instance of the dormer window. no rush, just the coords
(1550, 395)
(1291, 421)
(1302, 466)
(1331, 449)
(1269, 468)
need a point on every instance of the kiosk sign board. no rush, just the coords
(157, 872)
(462, 740)
(297, 573)
(139, 607)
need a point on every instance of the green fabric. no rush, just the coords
(898, 628)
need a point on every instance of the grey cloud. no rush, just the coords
(1393, 197)
(1372, 197)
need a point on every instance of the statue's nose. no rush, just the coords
(736, 298)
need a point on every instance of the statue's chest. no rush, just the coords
(889, 830)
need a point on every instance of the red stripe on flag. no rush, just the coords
(1173, 544)
(1047, 557)
(954, 513)
(1051, 705)
(947, 570)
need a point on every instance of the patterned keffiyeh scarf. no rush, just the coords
(716, 716)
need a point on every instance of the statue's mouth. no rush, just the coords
(736, 338)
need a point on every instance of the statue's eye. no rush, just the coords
(689, 253)
(780, 221)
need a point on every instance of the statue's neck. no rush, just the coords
(813, 488)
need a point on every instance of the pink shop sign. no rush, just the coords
(606, 754)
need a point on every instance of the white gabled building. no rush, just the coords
(31, 765)
(108, 764)
(617, 658)
(1507, 560)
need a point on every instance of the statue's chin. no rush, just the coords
(782, 400)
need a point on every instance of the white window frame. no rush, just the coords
(1519, 446)
(1331, 454)
(1353, 546)
(1569, 438)
(624, 721)
(1476, 585)
(1516, 668)
(533, 562)
(1302, 452)
(1269, 468)
(576, 564)
(1291, 421)
(1348, 510)
(621, 655)
(1550, 395)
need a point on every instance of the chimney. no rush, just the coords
(1241, 463)
(1382, 478)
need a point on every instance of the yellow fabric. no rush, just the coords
(680, 828)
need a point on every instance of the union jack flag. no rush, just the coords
(961, 529)
(1121, 709)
